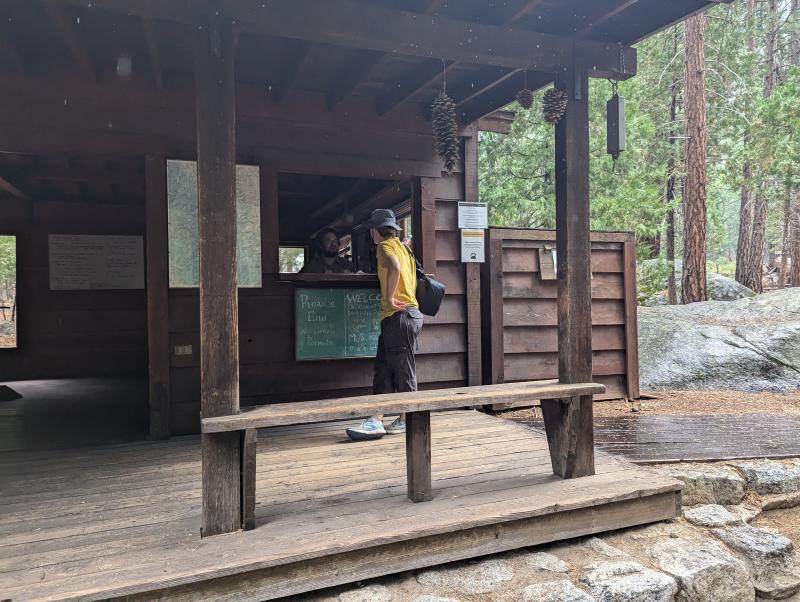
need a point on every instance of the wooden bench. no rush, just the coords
(556, 399)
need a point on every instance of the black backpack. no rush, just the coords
(430, 292)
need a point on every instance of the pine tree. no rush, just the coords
(695, 191)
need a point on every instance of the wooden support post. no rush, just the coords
(494, 315)
(249, 441)
(423, 221)
(473, 270)
(219, 319)
(570, 426)
(157, 296)
(418, 456)
(270, 259)
(631, 321)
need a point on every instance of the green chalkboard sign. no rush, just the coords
(336, 323)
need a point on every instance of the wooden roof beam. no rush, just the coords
(429, 72)
(417, 81)
(9, 49)
(151, 41)
(515, 13)
(295, 66)
(499, 95)
(465, 93)
(369, 27)
(9, 188)
(387, 196)
(433, 7)
(351, 75)
(66, 29)
(340, 198)
(605, 17)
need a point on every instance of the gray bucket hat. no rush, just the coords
(381, 218)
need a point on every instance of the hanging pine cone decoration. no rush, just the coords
(554, 105)
(445, 130)
(525, 98)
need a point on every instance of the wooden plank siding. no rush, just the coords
(73, 333)
(268, 370)
(522, 338)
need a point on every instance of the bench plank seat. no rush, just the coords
(305, 412)
(557, 401)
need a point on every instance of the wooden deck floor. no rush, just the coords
(119, 520)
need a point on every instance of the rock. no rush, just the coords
(555, 591)
(653, 531)
(720, 288)
(771, 477)
(546, 562)
(709, 486)
(751, 344)
(769, 558)
(370, 593)
(478, 578)
(781, 501)
(428, 598)
(746, 512)
(704, 571)
(710, 515)
(621, 581)
(601, 547)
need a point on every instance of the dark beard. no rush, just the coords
(330, 253)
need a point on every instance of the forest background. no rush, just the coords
(751, 57)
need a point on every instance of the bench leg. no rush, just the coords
(418, 456)
(570, 435)
(249, 446)
(222, 483)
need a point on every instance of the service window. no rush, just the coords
(310, 206)
(182, 228)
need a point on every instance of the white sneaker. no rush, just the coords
(369, 428)
(397, 427)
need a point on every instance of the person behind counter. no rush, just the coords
(326, 258)
(401, 322)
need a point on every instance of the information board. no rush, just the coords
(89, 262)
(336, 323)
(474, 216)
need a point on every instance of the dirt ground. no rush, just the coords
(786, 522)
(685, 403)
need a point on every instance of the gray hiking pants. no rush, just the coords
(395, 368)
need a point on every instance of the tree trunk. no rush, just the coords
(694, 199)
(743, 251)
(794, 244)
(787, 218)
(755, 256)
(672, 297)
(745, 224)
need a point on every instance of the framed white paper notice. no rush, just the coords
(472, 246)
(95, 262)
(473, 216)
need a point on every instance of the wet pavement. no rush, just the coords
(654, 439)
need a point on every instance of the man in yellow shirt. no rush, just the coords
(401, 322)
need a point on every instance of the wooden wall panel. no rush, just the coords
(73, 333)
(527, 344)
(541, 312)
(268, 370)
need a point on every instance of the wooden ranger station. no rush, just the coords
(165, 164)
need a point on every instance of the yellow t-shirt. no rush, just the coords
(407, 286)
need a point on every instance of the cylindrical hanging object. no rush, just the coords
(615, 126)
